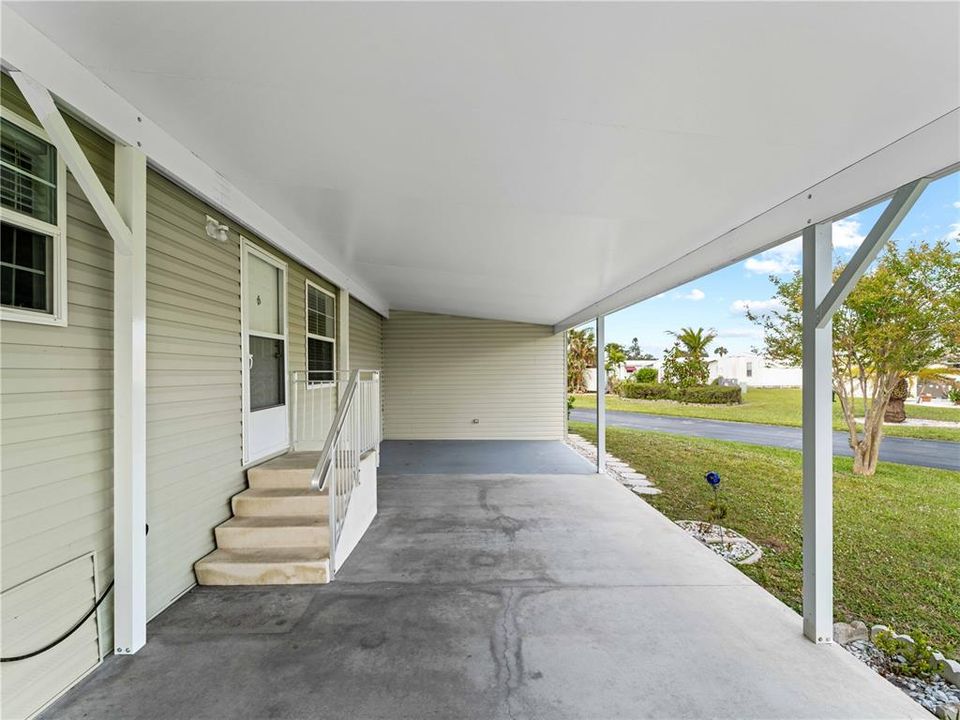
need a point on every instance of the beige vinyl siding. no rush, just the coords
(441, 372)
(40, 607)
(366, 337)
(56, 427)
(194, 383)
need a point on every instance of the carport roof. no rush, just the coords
(537, 162)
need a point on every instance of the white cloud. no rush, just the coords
(756, 306)
(953, 233)
(749, 332)
(846, 234)
(785, 259)
(956, 204)
(781, 260)
(694, 295)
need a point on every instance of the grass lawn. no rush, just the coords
(778, 406)
(896, 535)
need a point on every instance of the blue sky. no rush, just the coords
(717, 300)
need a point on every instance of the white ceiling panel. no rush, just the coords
(519, 161)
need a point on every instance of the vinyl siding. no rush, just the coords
(194, 416)
(366, 337)
(56, 428)
(441, 372)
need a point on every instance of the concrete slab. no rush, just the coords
(521, 596)
(481, 457)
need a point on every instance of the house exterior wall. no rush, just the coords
(366, 337)
(442, 372)
(56, 429)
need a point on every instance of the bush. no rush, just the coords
(645, 375)
(647, 391)
(710, 395)
(954, 395)
(703, 394)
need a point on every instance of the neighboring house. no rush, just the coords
(622, 372)
(754, 371)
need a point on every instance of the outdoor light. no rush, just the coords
(217, 230)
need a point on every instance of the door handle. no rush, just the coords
(250, 361)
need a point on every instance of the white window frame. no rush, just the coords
(58, 234)
(311, 336)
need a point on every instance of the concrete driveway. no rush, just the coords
(494, 596)
(907, 451)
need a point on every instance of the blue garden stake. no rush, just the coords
(713, 479)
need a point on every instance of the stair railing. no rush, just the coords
(355, 430)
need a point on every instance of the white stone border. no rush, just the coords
(616, 468)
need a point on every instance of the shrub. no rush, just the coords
(954, 395)
(647, 391)
(645, 375)
(709, 395)
(905, 658)
(701, 394)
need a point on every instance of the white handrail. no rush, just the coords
(354, 431)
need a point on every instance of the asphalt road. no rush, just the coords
(908, 451)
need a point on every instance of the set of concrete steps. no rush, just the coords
(278, 534)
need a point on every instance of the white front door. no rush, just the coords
(265, 417)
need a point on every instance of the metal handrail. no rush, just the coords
(319, 476)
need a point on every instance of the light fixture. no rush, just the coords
(216, 230)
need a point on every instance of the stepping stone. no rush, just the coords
(645, 490)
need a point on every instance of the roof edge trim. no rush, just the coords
(930, 151)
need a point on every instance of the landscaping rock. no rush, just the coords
(950, 670)
(860, 630)
(845, 633)
(948, 712)
(876, 629)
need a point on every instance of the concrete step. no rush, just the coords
(280, 502)
(292, 470)
(272, 566)
(273, 532)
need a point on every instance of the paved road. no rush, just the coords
(908, 451)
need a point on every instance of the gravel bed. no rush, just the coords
(930, 693)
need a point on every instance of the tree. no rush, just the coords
(616, 356)
(581, 354)
(634, 350)
(902, 316)
(720, 351)
(683, 364)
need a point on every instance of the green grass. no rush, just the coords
(778, 406)
(896, 535)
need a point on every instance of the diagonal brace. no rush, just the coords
(49, 116)
(901, 203)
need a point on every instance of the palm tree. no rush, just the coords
(720, 351)
(581, 354)
(616, 356)
(694, 342)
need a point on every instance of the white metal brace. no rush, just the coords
(49, 116)
(126, 223)
(821, 299)
(901, 203)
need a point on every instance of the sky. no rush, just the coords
(718, 301)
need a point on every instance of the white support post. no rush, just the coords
(343, 334)
(601, 399)
(817, 438)
(129, 406)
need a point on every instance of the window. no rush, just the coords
(321, 334)
(32, 239)
(749, 369)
